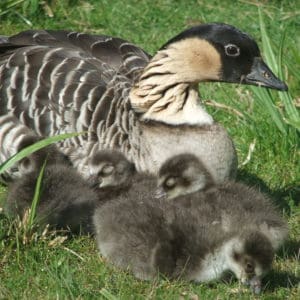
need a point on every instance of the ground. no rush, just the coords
(50, 266)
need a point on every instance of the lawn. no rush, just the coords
(49, 266)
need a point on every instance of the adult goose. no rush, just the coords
(147, 107)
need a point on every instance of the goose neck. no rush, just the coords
(163, 94)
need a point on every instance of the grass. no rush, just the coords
(49, 266)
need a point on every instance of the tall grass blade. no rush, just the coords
(291, 110)
(36, 196)
(264, 99)
(108, 295)
(32, 148)
(25, 20)
(268, 52)
(7, 6)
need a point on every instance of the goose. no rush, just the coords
(67, 200)
(197, 235)
(131, 233)
(134, 232)
(232, 204)
(146, 107)
(110, 173)
(34, 161)
(182, 174)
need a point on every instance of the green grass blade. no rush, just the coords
(295, 124)
(268, 52)
(107, 295)
(36, 196)
(291, 116)
(37, 146)
(286, 98)
(7, 6)
(292, 64)
(25, 20)
(264, 99)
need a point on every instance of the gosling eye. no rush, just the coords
(170, 182)
(232, 50)
(25, 162)
(249, 267)
(106, 170)
(236, 256)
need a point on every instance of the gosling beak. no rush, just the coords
(261, 75)
(255, 285)
(95, 182)
(159, 193)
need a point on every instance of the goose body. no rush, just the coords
(148, 108)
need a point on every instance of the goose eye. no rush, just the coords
(236, 256)
(107, 170)
(170, 182)
(25, 162)
(232, 50)
(249, 267)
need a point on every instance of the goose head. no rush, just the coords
(220, 52)
(110, 168)
(34, 161)
(250, 257)
(181, 175)
(208, 52)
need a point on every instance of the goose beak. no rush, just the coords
(261, 75)
(159, 193)
(255, 285)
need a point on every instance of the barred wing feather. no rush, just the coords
(60, 81)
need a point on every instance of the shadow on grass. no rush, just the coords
(279, 196)
(274, 280)
(291, 248)
(280, 279)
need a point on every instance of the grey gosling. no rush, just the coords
(131, 232)
(35, 160)
(182, 174)
(67, 201)
(241, 219)
(110, 173)
(148, 108)
(198, 235)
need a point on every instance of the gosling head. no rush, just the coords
(181, 175)
(218, 52)
(34, 161)
(250, 258)
(110, 169)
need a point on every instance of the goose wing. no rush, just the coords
(47, 76)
